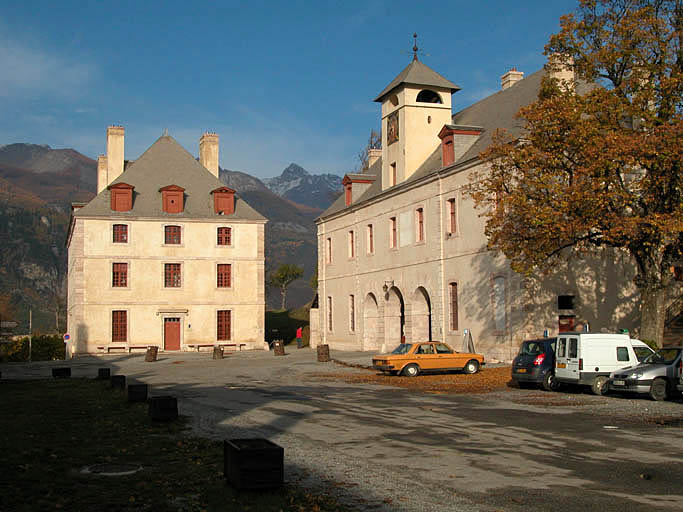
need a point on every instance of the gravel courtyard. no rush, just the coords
(382, 446)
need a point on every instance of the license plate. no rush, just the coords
(521, 370)
(618, 382)
(561, 365)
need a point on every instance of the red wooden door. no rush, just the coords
(171, 333)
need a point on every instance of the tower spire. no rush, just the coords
(415, 48)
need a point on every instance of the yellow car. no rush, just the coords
(411, 359)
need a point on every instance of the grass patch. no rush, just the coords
(54, 428)
(282, 325)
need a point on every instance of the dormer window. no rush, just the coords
(428, 96)
(121, 197)
(172, 199)
(223, 201)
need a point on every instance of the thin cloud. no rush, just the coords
(29, 71)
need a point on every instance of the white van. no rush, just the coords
(588, 359)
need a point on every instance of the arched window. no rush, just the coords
(428, 96)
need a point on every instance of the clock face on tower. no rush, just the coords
(392, 128)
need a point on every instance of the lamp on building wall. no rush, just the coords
(387, 285)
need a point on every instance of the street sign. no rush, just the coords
(67, 337)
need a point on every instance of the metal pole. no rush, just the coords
(30, 332)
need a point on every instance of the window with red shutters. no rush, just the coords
(454, 306)
(121, 197)
(223, 201)
(224, 236)
(172, 235)
(119, 326)
(392, 233)
(120, 233)
(119, 275)
(172, 198)
(172, 275)
(452, 225)
(371, 240)
(224, 275)
(420, 228)
(223, 321)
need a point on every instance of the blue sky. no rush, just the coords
(280, 82)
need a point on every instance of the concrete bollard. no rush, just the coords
(217, 352)
(118, 381)
(253, 463)
(163, 408)
(137, 392)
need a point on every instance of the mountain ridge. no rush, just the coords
(298, 185)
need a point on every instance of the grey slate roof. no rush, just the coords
(417, 73)
(167, 163)
(498, 111)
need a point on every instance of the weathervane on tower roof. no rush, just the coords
(416, 51)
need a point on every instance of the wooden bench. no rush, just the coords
(124, 348)
(109, 348)
(223, 345)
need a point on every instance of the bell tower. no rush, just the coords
(415, 106)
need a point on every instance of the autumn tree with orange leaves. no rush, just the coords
(599, 165)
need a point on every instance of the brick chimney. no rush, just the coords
(373, 156)
(208, 152)
(510, 78)
(115, 150)
(101, 173)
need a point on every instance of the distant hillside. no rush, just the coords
(297, 184)
(43, 159)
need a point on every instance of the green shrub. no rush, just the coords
(43, 348)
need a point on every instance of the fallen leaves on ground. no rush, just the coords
(548, 399)
(486, 381)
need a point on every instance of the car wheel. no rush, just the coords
(659, 390)
(412, 370)
(600, 386)
(472, 366)
(550, 383)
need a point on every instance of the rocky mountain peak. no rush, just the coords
(293, 171)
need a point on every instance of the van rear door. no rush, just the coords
(567, 358)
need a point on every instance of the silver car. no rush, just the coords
(659, 375)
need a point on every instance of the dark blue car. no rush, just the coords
(535, 364)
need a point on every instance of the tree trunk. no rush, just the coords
(652, 314)
(283, 291)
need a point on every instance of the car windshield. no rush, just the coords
(663, 356)
(403, 348)
(642, 353)
(531, 348)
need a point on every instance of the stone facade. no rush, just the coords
(409, 260)
(191, 306)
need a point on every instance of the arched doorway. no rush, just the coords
(421, 316)
(394, 318)
(370, 323)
